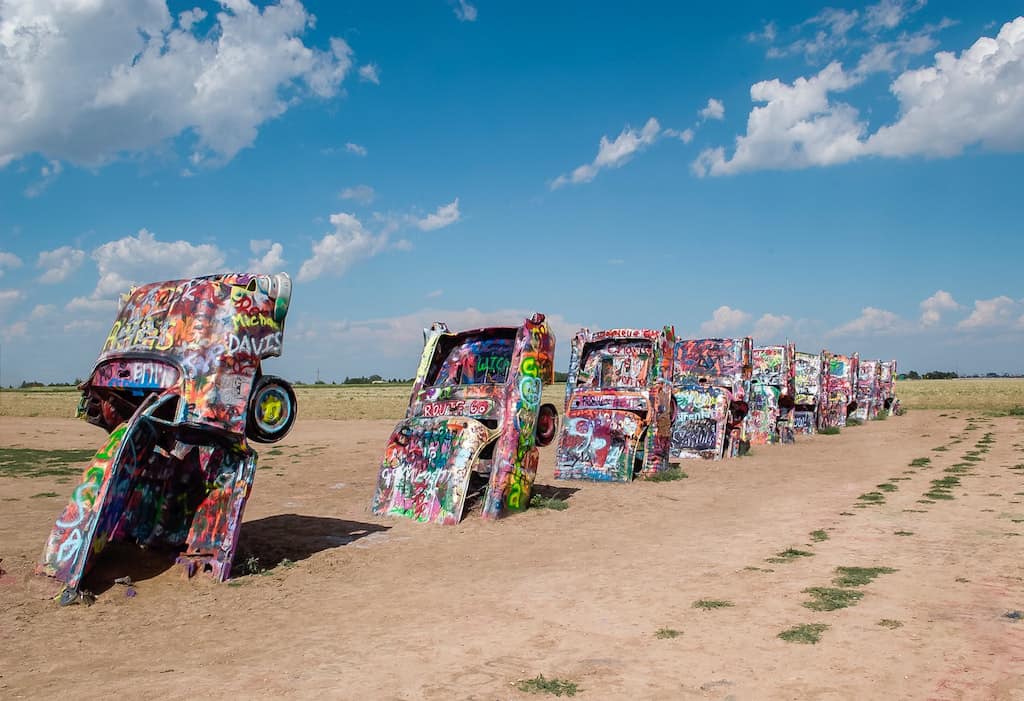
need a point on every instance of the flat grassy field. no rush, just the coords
(343, 402)
(340, 402)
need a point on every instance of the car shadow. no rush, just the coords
(295, 537)
(478, 488)
(550, 491)
(264, 544)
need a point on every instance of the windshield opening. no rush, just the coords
(473, 360)
(615, 363)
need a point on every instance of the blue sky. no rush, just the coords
(846, 176)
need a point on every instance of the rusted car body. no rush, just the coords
(179, 388)
(475, 413)
(772, 390)
(808, 392)
(618, 399)
(839, 398)
(710, 384)
(869, 390)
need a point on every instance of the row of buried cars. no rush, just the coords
(179, 389)
(637, 402)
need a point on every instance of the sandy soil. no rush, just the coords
(388, 609)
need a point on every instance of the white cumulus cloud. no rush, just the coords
(87, 80)
(713, 110)
(8, 261)
(57, 265)
(933, 307)
(370, 73)
(272, 260)
(363, 194)
(771, 327)
(976, 98)
(143, 258)
(871, 321)
(723, 320)
(337, 251)
(445, 215)
(797, 127)
(988, 313)
(612, 153)
(356, 149)
(465, 11)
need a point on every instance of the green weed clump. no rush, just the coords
(872, 497)
(708, 604)
(553, 686)
(920, 462)
(829, 431)
(553, 503)
(31, 462)
(806, 633)
(670, 475)
(859, 576)
(788, 555)
(819, 536)
(890, 623)
(887, 487)
(831, 599)
(667, 633)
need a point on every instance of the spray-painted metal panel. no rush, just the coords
(773, 388)
(475, 407)
(808, 383)
(618, 405)
(179, 386)
(839, 388)
(426, 468)
(869, 391)
(710, 384)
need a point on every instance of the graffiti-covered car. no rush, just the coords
(838, 398)
(179, 388)
(869, 399)
(808, 392)
(710, 381)
(475, 413)
(887, 383)
(618, 399)
(772, 393)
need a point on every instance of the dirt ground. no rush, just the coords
(389, 609)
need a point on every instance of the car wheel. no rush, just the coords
(272, 407)
(547, 424)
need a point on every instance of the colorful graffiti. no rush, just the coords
(887, 383)
(869, 390)
(175, 385)
(773, 387)
(617, 406)
(838, 396)
(710, 386)
(475, 408)
(807, 382)
(426, 469)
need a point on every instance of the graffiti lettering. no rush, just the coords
(458, 407)
(258, 346)
(244, 321)
(700, 434)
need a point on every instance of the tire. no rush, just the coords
(547, 424)
(272, 409)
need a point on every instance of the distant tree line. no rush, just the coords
(933, 375)
(30, 385)
(372, 379)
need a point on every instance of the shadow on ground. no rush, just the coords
(295, 537)
(269, 540)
